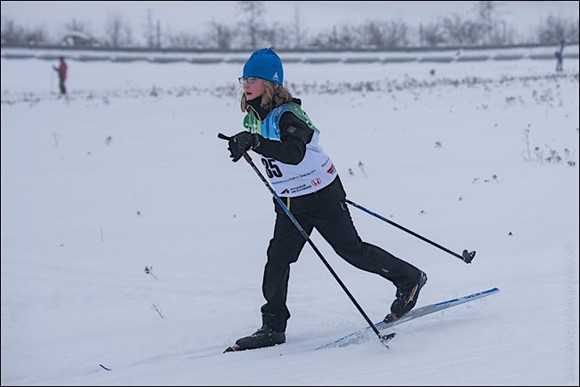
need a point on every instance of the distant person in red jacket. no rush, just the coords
(61, 71)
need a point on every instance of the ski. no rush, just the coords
(233, 348)
(363, 334)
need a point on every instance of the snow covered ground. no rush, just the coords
(131, 241)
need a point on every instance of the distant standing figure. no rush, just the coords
(559, 54)
(61, 71)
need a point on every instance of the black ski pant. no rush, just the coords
(62, 86)
(335, 225)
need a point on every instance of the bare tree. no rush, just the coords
(182, 39)
(252, 23)
(374, 34)
(458, 31)
(14, 34)
(487, 15)
(385, 35)
(431, 35)
(555, 28)
(220, 35)
(150, 31)
(484, 11)
(341, 37)
(36, 35)
(118, 32)
(299, 32)
(277, 36)
(77, 26)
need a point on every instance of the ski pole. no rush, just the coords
(466, 256)
(382, 338)
(51, 80)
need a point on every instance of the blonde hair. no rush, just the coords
(274, 96)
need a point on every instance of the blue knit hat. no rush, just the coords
(265, 64)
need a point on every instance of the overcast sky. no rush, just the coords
(178, 16)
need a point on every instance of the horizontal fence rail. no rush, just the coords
(469, 54)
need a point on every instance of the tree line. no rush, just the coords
(484, 26)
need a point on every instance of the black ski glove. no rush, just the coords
(242, 142)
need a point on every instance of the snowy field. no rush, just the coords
(131, 241)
